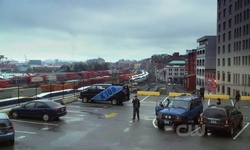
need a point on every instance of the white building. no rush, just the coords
(175, 71)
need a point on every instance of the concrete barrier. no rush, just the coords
(69, 100)
(173, 94)
(148, 93)
(215, 96)
(245, 98)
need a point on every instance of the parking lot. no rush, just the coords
(105, 126)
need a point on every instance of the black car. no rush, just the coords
(42, 108)
(221, 118)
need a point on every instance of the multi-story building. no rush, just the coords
(205, 59)
(175, 71)
(190, 71)
(233, 47)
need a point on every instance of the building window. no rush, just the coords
(229, 35)
(224, 37)
(229, 48)
(219, 28)
(223, 62)
(229, 23)
(218, 75)
(218, 38)
(219, 15)
(228, 61)
(230, 9)
(224, 25)
(228, 77)
(224, 12)
(218, 49)
(218, 62)
(223, 49)
(223, 76)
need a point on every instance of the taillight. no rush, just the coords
(58, 110)
(201, 119)
(227, 122)
(11, 128)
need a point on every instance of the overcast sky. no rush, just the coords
(110, 29)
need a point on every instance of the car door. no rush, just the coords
(40, 109)
(27, 109)
(237, 116)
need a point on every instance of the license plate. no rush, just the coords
(213, 121)
(166, 122)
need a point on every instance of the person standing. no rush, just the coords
(218, 102)
(237, 99)
(136, 107)
(202, 90)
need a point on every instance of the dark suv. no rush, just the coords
(180, 110)
(115, 93)
(221, 118)
(7, 133)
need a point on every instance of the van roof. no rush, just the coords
(186, 97)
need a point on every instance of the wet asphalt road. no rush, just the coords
(95, 126)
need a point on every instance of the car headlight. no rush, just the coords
(178, 117)
(168, 116)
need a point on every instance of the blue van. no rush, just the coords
(115, 93)
(180, 110)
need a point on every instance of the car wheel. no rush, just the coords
(231, 131)
(14, 115)
(46, 117)
(85, 100)
(240, 125)
(160, 125)
(114, 102)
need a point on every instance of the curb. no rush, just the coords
(69, 100)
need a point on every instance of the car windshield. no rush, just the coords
(214, 113)
(179, 104)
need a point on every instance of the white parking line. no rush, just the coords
(153, 122)
(26, 132)
(232, 102)
(144, 98)
(165, 99)
(208, 102)
(31, 122)
(241, 131)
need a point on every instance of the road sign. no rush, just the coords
(214, 86)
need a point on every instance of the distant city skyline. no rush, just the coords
(81, 29)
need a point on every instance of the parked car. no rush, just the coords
(42, 108)
(180, 110)
(221, 118)
(115, 93)
(7, 132)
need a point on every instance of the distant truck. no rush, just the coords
(115, 93)
(179, 110)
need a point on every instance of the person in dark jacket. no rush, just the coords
(202, 90)
(218, 102)
(237, 99)
(136, 107)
